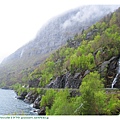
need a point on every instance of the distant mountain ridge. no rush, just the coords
(54, 35)
(58, 30)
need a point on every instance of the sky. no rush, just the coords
(20, 20)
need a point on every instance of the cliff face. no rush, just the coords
(50, 37)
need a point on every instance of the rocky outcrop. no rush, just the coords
(5, 87)
(66, 81)
(42, 111)
(34, 99)
(22, 95)
(107, 69)
(36, 103)
(73, 81)
(59, 82)
(91, 33)
(111, 72)
(30, 97)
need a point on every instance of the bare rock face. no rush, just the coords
(36, 103)
(42, 111)
(74, 81)
(112, 71)
(59, 82)
(66, 81)
(22, 95)
(30, 97)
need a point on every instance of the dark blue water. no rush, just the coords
(9, 105)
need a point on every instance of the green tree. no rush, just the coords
(48, 98)
(113, 105)
(113, 19)
(63, 104)
(93, 96)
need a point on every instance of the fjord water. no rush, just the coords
(9, 105)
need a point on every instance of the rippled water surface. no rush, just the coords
(10, 105)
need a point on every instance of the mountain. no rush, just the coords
(95, 49)
(82, 77)
(50, 37)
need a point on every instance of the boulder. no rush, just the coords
(42, 111)
(36, 103)
(19, 97)
(5, 87)
(22, 95)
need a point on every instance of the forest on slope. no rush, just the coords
(89, 62)
(87, 51)
(53, 35)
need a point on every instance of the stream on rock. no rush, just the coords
(116, 77)
(9, 105)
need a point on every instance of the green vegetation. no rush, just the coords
(93, 99)
(93, 96)
(99, 47)
(87, 51)
(63, 104)
(19, 88)
(48, 99)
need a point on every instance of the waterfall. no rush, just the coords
(115, 80)
(116, 77)
(21, 53)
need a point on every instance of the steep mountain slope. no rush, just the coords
(50, 37)
(96, 49)
(58, 30)
(77, 78)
